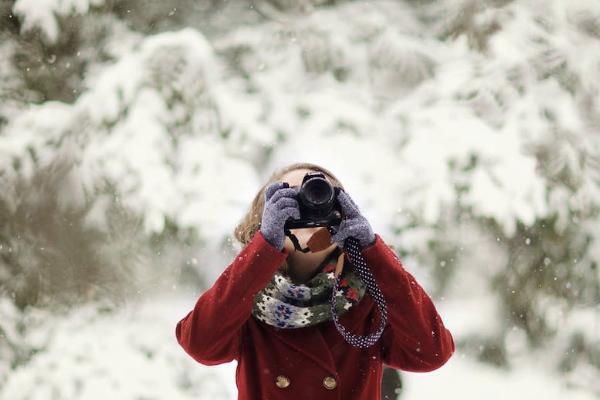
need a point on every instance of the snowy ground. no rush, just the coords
(133, 354)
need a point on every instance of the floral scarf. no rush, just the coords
(284, 304)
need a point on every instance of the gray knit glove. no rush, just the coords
(280, 204)
(353, 223)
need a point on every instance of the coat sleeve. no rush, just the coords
(211, 332)
(415, 338)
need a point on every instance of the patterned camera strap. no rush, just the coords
(363, 272)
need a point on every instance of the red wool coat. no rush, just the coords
(314, 362)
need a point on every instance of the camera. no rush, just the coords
(318, 204)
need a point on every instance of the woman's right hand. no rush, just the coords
(280, 205)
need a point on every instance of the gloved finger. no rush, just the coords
(272, 188)
(354, 229)
(340, 236)
(342, 226)
(292, 212)
(284, 192)
(339, 240)
(349, 208)
(283, 202)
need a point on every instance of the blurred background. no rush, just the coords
(134, 135)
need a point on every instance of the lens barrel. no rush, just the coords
(316, 193)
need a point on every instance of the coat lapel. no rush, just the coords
(316, 342)
(308, 341)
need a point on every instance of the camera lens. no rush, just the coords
(318, 191)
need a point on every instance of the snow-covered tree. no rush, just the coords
(468, 132)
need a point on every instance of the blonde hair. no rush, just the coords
(251, 222)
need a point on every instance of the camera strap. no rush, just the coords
(364, 273)
(352, 245)
(295, 241)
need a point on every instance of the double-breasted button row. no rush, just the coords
(283, 381)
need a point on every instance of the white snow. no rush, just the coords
(400, 116)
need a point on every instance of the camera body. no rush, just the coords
(318, 204)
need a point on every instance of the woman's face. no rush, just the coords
(294, 178)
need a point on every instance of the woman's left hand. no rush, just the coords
(353, 223)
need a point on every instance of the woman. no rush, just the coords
(269, 309)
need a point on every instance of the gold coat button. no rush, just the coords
(282, 381)
(329, 382)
